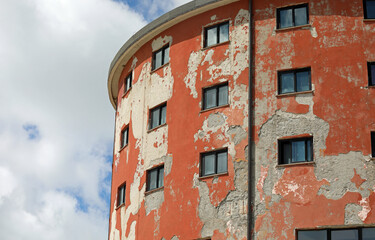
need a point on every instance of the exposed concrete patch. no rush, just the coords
(351, 214)
(134, 62)
(237, 134)
(212, 124)
(154, 201)
(160, 42)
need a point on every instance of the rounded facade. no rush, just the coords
(180, 87)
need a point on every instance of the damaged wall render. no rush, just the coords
(181, 133)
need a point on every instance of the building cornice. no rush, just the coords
(151, 30)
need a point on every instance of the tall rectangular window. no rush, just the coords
(158, 116)
(121, 195)
(128, 83)
(124, 137)
(155, 178)
(298, 80)
(373, 144)
(360, 233)
(216, 34)
(295, 150)
(369, 9)
(160, 57)
(371, 73)
(215, 96)
(215, 162)
(292, 16)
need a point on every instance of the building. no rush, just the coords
(181, 88)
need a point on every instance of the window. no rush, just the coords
(215, 96)
(216, 34)
(214, 162)
(292, 16)
(124, 137)
(371, 73)
(369, 9)
(295, 150)
(160, 57)
(155, 178)
(128, 83)
(121, 195)
(158, 116)
(373, 144)
(298, 80)
(337, 234)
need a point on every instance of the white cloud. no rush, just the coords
(56, 122)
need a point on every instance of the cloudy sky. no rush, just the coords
(56, 121)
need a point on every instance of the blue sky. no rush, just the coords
(56, 121)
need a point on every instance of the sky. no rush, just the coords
(56, 120)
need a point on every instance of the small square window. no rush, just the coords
(371, 73)
(295, 150)
(298, 80)
(160, 57)
(216, 34)
(158, 116)
(292, 16)
(214, 162)
(128, 83)
(155, 178)
(121, 195)
(373, 144)
(124, 137)
(369, 9)
(215, 96)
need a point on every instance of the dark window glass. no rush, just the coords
(215, 96)
(373, 144)
(371, 73)
(124, 137)
(128, 83)
(216, 34)
(155, 178)
(298, 80)
(369, 9)
(160, 57)
(158, 116)
(312, 235)
(295, 150)
(347, 234)
(292, 16)
(121, 195)
(214, 162)
(368, 233)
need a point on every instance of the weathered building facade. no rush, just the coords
(181, 88)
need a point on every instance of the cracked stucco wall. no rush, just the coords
(338, 189)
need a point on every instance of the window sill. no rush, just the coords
(294, 93)
(213, 175)
(120, 206)
(162, 66)
(302, 27)
(123, 147)
(153, 129)
(369, 20)
(126, 93)
(295, 164)
(154, 190)
(371, 86)
(213, 108)
(215, 45)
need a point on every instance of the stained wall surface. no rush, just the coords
(338, 188)
(188, 206)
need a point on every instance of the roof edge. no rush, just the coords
(152, 29)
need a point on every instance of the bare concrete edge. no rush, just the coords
(149, 31)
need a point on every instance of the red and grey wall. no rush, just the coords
(180, 88)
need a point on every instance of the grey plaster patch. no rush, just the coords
(154, 201)
(237, 134)
(351, 214)
(167, 160)
(175, 238)
(215, 120)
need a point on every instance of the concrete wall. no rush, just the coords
(188, 207)
(338, 189)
